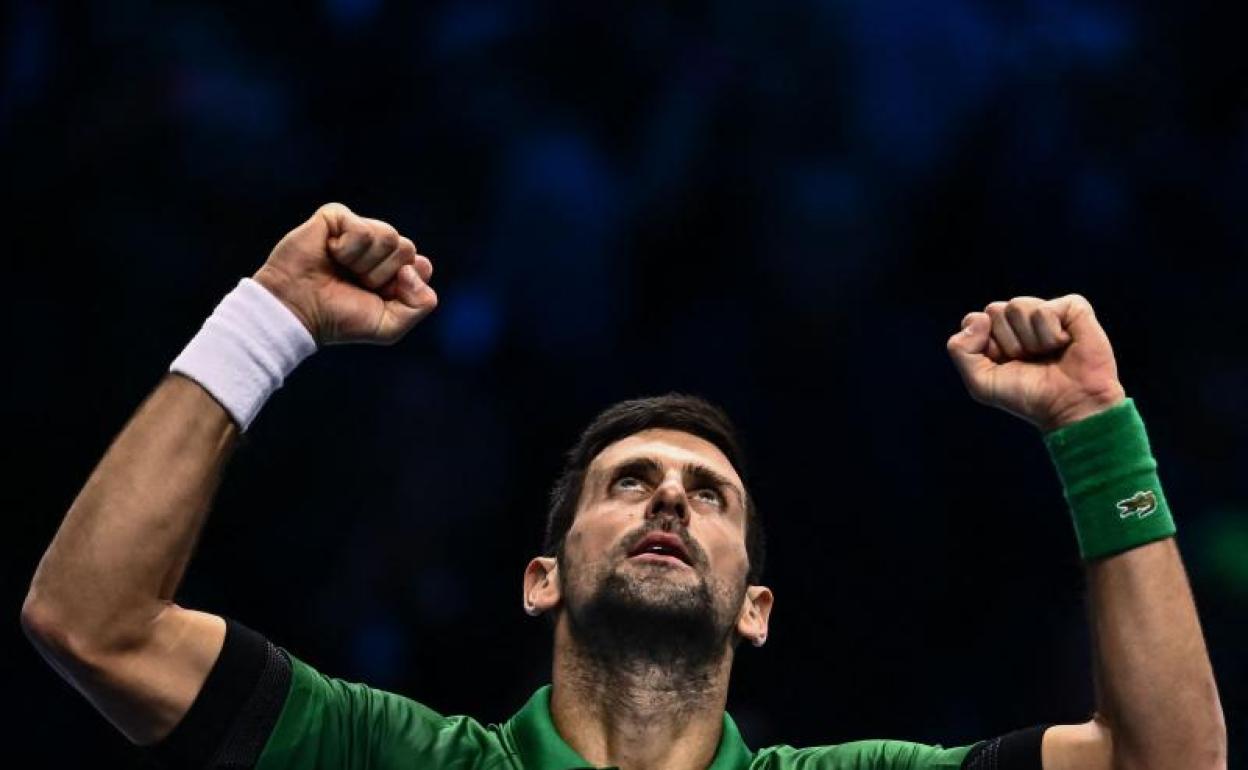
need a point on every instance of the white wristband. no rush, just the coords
(245, 349)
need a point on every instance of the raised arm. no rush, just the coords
(1157, 706)
(100, 607)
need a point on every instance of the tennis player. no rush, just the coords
(651, 575)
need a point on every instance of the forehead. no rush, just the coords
(671, 448)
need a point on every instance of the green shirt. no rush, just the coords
(329, 723)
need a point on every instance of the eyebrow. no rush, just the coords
(700, 474)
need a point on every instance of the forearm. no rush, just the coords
(1156, 688)
(1051, 363)
(100, 606)
(123, 547)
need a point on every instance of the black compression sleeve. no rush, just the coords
(230, 721)
(1019, 750)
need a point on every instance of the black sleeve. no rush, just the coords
(1019, 750)
(232, 717)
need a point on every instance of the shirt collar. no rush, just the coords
(540, 747)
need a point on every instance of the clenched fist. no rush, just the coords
(1047, 361)
(349, 278)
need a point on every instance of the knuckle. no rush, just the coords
(1020, 306)
(1080, 301)
(388, 239)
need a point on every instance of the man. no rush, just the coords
(651, 576)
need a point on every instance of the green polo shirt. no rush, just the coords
(329, 723)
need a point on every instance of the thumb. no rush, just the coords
(340, 228)
(335, 216)
(323, 230)
(969, 350)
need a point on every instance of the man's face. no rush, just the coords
(659, 539)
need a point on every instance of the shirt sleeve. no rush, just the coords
(1019, 750)
(232, 717)
(874, 754)
(263, 708)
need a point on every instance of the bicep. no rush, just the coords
(146, 690)
(1086, 746)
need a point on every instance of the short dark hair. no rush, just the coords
(673, 411)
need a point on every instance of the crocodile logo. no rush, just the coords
(1139, 505)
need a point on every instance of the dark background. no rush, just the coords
(786, 208)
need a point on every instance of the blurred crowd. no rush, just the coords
(783, 208)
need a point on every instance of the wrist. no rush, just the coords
(245, 350)
(279, 284)
(1090, 405)
(1110, 481)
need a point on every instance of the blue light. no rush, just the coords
(352, 13)
(469, 325)
(377, 651)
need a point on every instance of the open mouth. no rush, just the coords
(661, 547)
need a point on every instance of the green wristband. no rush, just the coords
(1110, 479)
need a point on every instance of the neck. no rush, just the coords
(638, 714)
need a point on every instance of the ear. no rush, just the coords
(755, 612)
(541, 585)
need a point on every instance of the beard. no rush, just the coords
(636, 617)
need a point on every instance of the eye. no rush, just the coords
(709, 495)
(629, 483)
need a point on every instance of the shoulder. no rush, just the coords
(1017, 750)
(876, 754)
(326, 715)
(262, 707)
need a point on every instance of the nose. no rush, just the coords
(669, 502)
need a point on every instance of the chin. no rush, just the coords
(640, 612)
